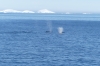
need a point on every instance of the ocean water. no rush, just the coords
(25, 40)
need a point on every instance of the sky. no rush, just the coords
(89, 6)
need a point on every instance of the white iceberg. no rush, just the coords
(45, 11)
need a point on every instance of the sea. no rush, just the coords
(34, 39)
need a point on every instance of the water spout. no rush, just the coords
(60, 30)
(49, 25)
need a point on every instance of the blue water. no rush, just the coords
(25, 42)
(88, 17)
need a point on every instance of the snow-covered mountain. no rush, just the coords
(27, 11)
(67, 13)
(86, 13)
(15, 11)
(45, 11)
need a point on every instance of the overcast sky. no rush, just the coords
(53, 5)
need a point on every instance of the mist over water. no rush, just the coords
(60, 30)
(49, 25)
